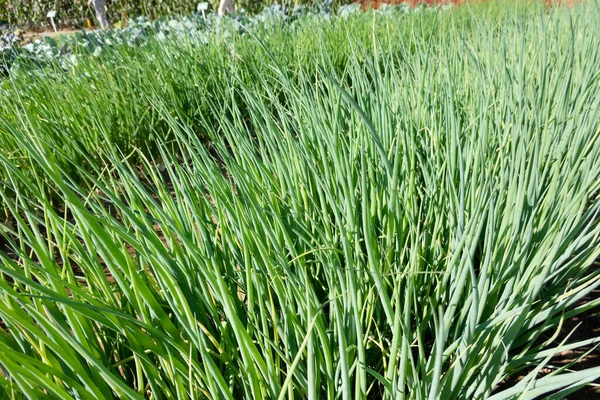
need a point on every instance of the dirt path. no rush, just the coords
(30, 36)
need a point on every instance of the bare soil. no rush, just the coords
(31, 36)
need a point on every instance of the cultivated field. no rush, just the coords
(393, 204)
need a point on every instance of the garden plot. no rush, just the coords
(370, 205)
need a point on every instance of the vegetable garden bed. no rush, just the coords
(387, 204)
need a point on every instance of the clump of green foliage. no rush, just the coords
(76, 13)
(377, 206)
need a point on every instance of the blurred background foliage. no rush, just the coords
(32, 14)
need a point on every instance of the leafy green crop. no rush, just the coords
(76, 13)
(380, 206)
(69, 49)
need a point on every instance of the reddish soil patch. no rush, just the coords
(366, 4)
(584, 326)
